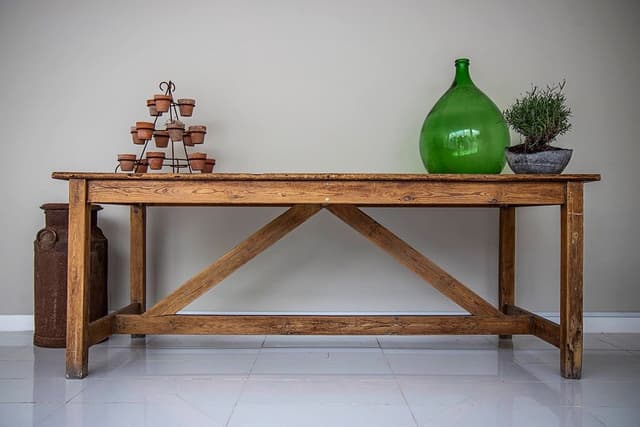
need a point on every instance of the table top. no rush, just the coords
(326, 177)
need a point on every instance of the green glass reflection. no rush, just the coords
(464, 132)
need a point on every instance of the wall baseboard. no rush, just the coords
(16, 322)
(594, 322)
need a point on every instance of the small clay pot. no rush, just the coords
(145, 130)
(153, 111)
(134, 136)
(142, 165)
(156, 158)
(127, 161)
(163, 103)
(208, 165)
(186, 138)
(186, 106)
(197, 161)
(175, 129)
(162, 138)
(197, 134)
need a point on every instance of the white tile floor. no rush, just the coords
(321, 381)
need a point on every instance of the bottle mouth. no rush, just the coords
(462, 61)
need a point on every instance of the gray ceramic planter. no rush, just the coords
(550, 161)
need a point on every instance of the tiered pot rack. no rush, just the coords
(173, 133)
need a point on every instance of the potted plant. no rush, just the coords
(155, 158)
(153, 111)
(540, 116)
(162, 138)
(197, 161)
(175, 129)
(208, 165)
(127, 161)
(142, 165)
(186, 106)
(145, 130)
(186, 138)
(134, 136)
(163, 102)
(197, 134)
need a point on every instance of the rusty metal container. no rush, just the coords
(50, 275)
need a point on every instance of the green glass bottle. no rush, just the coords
(464, 132)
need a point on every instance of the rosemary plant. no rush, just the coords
(540, 115)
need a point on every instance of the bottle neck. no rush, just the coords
(463, 78)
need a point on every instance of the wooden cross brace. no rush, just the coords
(292, 218)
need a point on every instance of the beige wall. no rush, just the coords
(318, 86)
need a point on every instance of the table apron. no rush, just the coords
(287, 193)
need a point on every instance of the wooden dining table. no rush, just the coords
(343, 195)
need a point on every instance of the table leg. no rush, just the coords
(507, 258)
(78, 280)
(138, 258)
(571, 251)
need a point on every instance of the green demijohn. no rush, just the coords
(465, 131)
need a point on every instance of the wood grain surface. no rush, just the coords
(507, 260)
(77, 356)
(321, 325)
(232, 260)
(571, 252)
(362, 193)
(327, 176)
(414, 260)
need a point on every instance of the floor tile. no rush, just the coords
(39, 390)
(25, 414)
(608, 394)
(443, 362)
(292, 380)
(516, 413)
(214, 397)
(206, 341)
(321, 415)
(125, 390)
(616, 417)
(167, 362)
(623, 341)
(288, 389)
(437, 392)
(16, 339)
(322, 362)
(323, 341)
(12, 352)
(438, 342)
(443, 403)
(597, 342)
(152, 414)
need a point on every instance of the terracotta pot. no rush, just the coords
(134, 136)
(145, 130)
(197, 134)
(175, 129)
(186, 138)
(208, 165)
(142, 166)
(197, 161)
(156, 159)
(162, 138)
(153, 111)
(126, 161)
(186, 106)
(163, 103)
